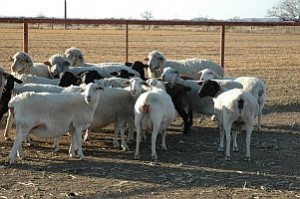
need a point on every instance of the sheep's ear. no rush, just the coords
(146, 59)
(47, 63)
(78, 81)
(18, 81)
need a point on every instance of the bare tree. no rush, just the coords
(287, 10)
(147, 15)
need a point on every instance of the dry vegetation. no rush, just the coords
(191, 168)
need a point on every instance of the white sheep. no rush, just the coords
(23, 64)
(153, 111)
(26, 87)
(253, 85)
(235, 109)
(55, 115)
(189, 67)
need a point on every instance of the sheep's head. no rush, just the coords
(155, 60)
(21, 62)
(91, 93)
(208, 88)
(74, 56)
(207, 74)
(169, 74)
(57, 64)
(137, 85)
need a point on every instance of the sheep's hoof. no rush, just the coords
(164, 148)
(81, 157)
(11, 161)
(137, 157)
(154, 157)
(221, 149)
(116, 144)
(125, 148)
(227, 158)
(235, 149)
(247, 159)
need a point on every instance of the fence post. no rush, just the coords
(127, 42)
(222, 45)
(25, 37)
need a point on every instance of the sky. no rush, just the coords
(132, 9)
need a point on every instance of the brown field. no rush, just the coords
(192, 167)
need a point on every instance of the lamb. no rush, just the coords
(56, 115)
(67, 78)
(189, 67)
(23, 64)
(153, 111)
(235, 109)
(253, 85)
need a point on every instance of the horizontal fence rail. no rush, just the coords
(127, 23)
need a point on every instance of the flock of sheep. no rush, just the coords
(66, 94)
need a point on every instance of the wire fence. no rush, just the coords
(268, 52)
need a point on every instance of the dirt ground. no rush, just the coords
(190, 168)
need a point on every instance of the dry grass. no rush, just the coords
(272, 57)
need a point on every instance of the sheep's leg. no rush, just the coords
(221, 145)
(153, 141)
(17, 147)
(116, 135)
(235, 145)
(121, 126)
(227, 129)
(190, 113)
(249, 129)
(78, 138)
(8, 126)
(56, 144)
(72, 146)
(87, 135)
(259, 118)
(185, 118)
(130, 137)
(138, 140)
(163, 140)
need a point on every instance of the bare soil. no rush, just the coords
(190, 168)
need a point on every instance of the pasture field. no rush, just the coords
(192, 167)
